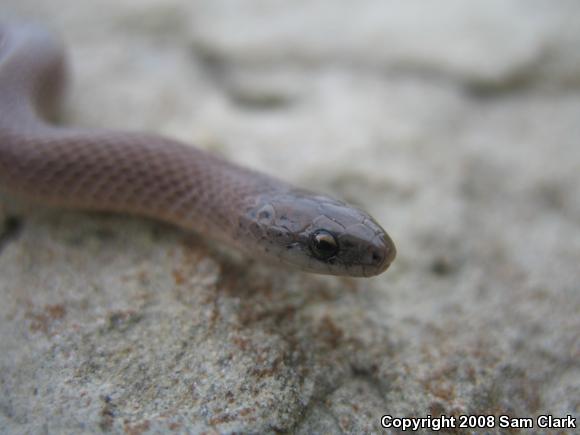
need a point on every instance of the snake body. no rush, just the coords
(146, 174)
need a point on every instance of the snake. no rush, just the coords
(142, 173)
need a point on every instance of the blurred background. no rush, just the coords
(456, 124)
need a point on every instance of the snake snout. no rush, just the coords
(382, 252)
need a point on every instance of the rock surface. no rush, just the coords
(456, 124)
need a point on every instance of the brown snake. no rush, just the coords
(149, 175)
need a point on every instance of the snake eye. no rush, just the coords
(323, 245)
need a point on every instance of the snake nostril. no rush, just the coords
(376, 257)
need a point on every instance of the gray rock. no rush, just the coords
(455, 124)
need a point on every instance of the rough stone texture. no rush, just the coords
(457, 124)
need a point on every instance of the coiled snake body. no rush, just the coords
(150, 175)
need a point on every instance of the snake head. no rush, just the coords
(316, 233)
